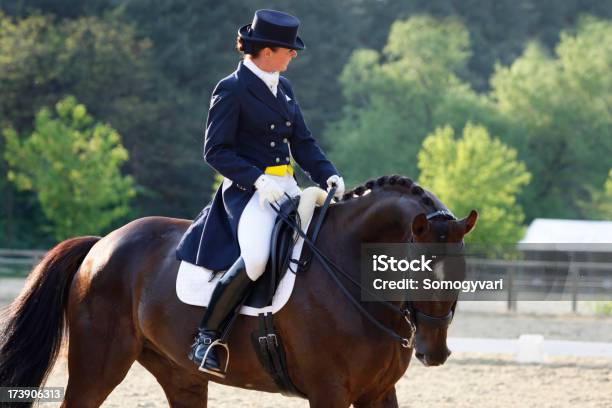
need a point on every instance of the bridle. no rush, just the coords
(412, 316)
(424, 318)
(420, 318)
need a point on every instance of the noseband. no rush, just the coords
(423, 319)
(413, 317)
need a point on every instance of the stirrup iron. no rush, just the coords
(222, 372)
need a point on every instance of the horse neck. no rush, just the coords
(383, 215)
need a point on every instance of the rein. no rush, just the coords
(411, 315)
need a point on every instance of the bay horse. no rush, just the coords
(116, 295)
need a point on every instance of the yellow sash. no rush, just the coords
(279, 170)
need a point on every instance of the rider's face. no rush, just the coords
(278, 60)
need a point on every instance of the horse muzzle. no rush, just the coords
(432, 359)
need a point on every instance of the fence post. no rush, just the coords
(511, 305)
(575, 274)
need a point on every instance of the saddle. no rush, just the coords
(281, 247)
(267, 342)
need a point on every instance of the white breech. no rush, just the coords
(255, 228)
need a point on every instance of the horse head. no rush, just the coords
(394, 209)
(432, 318)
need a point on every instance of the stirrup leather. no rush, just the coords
(221, 373)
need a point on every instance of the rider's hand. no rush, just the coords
(269, 190)
(339, 182)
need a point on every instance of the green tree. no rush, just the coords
(476, 171)
(606, 203)
(216, 184)
(395, 98)
(599, 205)
(109, 68)
(562, 108)
(72, 164)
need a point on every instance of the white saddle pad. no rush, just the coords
(192, 282)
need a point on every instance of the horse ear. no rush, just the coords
(420, 225)
(469, 222)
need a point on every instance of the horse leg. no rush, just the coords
(100, 354)
(386, 400)
(181, 389)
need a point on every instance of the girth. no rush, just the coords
(266, 341)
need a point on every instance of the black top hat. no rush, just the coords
(274, 28)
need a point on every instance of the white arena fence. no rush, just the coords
(18, 262)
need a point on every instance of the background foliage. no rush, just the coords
(476, 169)
(376, 78)
(72, 164)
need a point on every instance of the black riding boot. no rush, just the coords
(229, 292)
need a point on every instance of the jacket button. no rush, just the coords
(287, 158)
(278, 159)
(288, 124)
(272, 144)
(272, 126)
(285, 140)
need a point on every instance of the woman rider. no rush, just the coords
(254, 128)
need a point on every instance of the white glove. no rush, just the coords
(339, 182)
(269, 190)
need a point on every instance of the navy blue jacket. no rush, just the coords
(247, 130)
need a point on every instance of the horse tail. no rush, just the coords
(32, 326)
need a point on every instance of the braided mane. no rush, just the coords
(393, 180)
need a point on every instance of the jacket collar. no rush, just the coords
(269, 78)
(257, 87)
